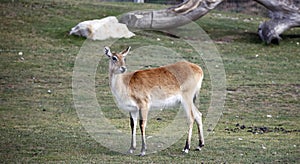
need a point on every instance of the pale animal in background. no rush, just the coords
(101, 29)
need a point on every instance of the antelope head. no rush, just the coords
(117, 61)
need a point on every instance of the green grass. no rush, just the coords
(37, 126)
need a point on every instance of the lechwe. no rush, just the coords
(137, 92)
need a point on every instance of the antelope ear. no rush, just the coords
(107, 52)
(125, 52)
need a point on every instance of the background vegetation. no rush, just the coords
(260, 122)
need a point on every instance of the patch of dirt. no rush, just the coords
(243, 6)
(226, 39)
(259, 129)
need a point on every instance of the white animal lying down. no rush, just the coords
(141, 90)
(101, 29)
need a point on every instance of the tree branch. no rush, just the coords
(285, 14)
(172, 17)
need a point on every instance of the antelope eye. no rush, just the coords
(114, 58)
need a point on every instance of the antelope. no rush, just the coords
(139, 91)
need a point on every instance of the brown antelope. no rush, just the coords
(137, 92)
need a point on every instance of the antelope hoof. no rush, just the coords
(130, 151)
(143, 153)
(186, 151)
(198, 148)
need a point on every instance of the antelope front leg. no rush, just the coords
(143, 123)
(133, 123)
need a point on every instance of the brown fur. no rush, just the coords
(170, 79)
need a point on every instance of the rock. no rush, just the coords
(101, 29)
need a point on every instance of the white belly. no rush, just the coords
(165, 102)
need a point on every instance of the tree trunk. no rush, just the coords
(285, 14)
(138, 1)
(172, 17)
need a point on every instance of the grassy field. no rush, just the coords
(39, 123)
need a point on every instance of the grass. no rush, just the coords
(39, 122)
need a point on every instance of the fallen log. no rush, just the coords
(285, 14)
(172, 17)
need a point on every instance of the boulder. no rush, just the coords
(101, 29)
